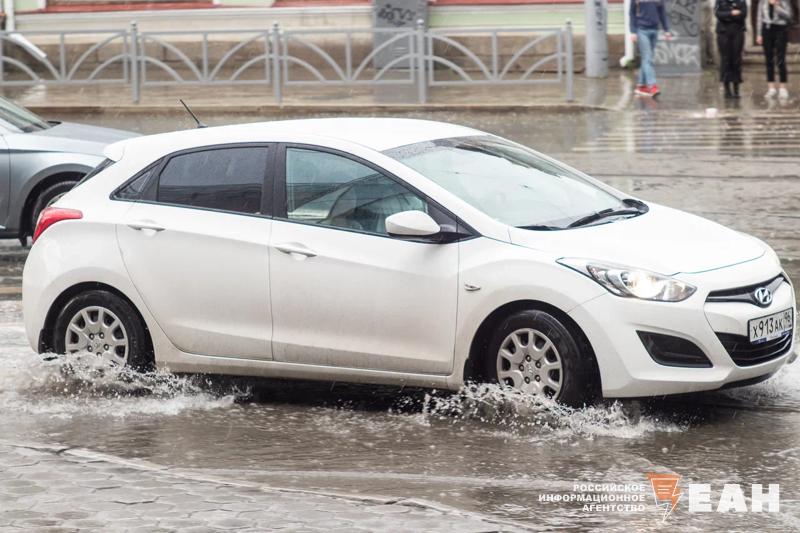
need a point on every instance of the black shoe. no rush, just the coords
(728, 92)
(736, 90)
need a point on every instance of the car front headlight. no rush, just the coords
(629, 282)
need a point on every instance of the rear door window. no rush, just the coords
(224, 179)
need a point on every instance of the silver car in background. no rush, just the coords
(40, 161)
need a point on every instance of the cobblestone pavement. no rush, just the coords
(55, 489)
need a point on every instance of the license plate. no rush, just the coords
(770, 327)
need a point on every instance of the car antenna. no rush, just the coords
(199, 124)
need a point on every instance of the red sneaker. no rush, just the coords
(641, 90)
(654, 90)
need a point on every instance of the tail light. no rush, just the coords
(51, 215)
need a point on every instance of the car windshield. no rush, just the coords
(20, 117)
(511, 183)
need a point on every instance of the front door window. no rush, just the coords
(331, 190)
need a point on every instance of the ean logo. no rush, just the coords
(665, 490)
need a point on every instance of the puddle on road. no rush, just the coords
(483, 449)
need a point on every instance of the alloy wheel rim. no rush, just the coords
(99, 331)
(529, 361)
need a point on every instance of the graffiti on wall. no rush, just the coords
(392, 15)
(681, 55)
(678, 54)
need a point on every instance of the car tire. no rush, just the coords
(46, 198)
(103, 323)
(534, 352)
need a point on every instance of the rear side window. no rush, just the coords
(135, 189)
(227, 179)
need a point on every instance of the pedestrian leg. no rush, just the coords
(653, 36)
(725, 56)
(769, 53)
(737, 46)
(645, 55)
(724, 60)
(781, 40)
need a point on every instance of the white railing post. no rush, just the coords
(422, 81)
(570, 66)
(135, 81)
(276, 63)
(630, 53)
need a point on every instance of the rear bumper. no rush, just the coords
(33, 287)
(627, 369)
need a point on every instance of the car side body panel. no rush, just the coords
(30, 169)
(5, 183)
(73, 255)
(171, 269)
(396, 300)
(36, 156)
(495, 273)
(65, 259)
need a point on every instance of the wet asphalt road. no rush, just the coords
(482, 450)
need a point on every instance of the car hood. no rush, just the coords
(663, 240)
(80, 138)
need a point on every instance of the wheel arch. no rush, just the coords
(484, 332)
(38, 184)
(46, 335)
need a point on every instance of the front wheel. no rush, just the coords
(103, 324)
(533, 352)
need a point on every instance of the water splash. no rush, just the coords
(521, 413)
(782, 390)
(63, 386)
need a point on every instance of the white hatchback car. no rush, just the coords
(398, 252)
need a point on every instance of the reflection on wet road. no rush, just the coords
(481, 450)
(760, 135)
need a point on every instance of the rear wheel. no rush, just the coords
(48, 197)
(103, 324)
(533, 352)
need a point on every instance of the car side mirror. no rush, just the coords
(411, 224)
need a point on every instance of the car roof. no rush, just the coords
(375, 133)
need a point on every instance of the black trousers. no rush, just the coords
(775, 39)
(730, 43)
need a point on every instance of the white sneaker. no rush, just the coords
(771, 93)
(783, 94)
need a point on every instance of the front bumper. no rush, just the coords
(627, 369)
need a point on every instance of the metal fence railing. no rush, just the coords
(23, 63)
(284, 58)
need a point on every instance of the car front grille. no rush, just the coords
(746, 294)
(745, 354)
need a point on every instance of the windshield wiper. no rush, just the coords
(605, 213)
(540, 227)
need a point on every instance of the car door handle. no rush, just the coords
(140, 226)
(295, 248)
